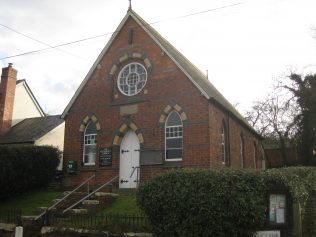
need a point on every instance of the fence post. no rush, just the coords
(297, 220)
(19, 231)
(46, 218)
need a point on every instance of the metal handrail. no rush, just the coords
(90, 194)
(137, 175)
(134, 168)
(55, 204)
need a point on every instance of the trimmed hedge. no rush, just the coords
(218, 203)
(23, 168)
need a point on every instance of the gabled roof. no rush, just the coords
(191, 71)
(30, 130)
(28, 89)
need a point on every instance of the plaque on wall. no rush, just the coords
(151, 157)
(105, 156)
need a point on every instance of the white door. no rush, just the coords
(129, 161)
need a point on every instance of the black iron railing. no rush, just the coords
(123, 222)
(10, 216)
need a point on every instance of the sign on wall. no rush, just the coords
(277, 209)
(105, 156)
(268, 233)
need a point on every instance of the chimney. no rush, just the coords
(7, 92)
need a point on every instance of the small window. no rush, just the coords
(242, 158)
(90, 144)
(173, 137)
(132, 79)
(224, 155)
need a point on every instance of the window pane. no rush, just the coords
(174, 154)
(174, 143)
(91, 129)
(173, 119)
(89, 158)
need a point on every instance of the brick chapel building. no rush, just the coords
(144, 109)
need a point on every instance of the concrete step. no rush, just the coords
(78, 211)
(91, 202)
(56, 200)
(104, 194)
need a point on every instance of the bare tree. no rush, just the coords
(289, 114)
(273, 117)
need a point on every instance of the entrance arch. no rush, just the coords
(129, 160)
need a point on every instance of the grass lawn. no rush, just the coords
(29, 202)
(123, 205)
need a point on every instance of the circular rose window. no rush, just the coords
(132, 79)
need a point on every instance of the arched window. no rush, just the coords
(173, 137)
(254, 155)
(225, 160)
(242, 156)
(90, 144)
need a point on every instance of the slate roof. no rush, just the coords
(190, 70)
(31, 129)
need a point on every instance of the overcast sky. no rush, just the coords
(242, 44)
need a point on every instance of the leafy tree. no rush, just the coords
(304, 91)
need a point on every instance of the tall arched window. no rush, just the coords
(90, 144)
(242, 156)
(225, 160)
(254, 155)
(173, 137)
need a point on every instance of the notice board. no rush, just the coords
(105, 156)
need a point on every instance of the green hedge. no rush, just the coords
(24, 168)
(218, 203)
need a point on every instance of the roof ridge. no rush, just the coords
(170, 44)
(216, 94)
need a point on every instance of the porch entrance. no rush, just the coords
(129, 161)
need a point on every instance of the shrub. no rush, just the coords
(204, 203)
(23, 168)
(219, 203)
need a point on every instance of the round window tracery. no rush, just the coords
(132, 79)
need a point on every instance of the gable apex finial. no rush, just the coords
(130, 5)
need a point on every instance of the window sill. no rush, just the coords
(172, 163)
(129, 100)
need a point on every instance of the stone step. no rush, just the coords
(91, 202)
(78, 211)
(75, 193)
(104, 194)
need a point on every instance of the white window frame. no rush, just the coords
(174, 137)
(121, 77)
(91, 137)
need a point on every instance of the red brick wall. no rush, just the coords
(234, 129)
(7, 93)
(166, 84)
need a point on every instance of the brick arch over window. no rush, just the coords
(168, 109)
(128, 56)
(123, 129)
(89, 118)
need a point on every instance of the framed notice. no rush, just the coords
(277, 209)
(105, 156)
